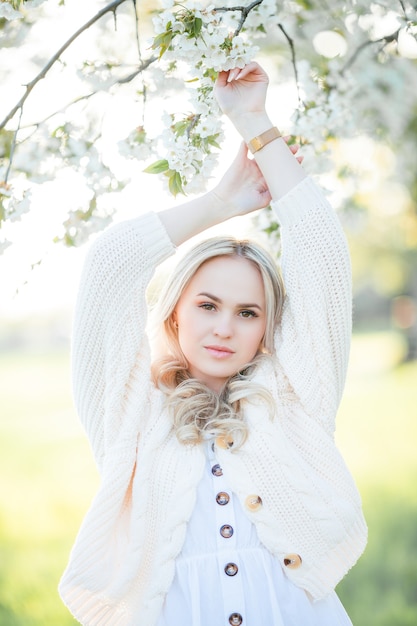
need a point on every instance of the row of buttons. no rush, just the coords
(226, 531)
(253, 503)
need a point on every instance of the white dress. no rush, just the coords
(225, 576)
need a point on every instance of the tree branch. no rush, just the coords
(19, 105)
(120, 81)
(144, 65)
(385, 40)
(13, 147)
(137, 35)
(244, 13)
(293, 61)
(402, 5)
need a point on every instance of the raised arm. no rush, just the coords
(241, 95)
(241, 190)
(250, 184)
(314, 337)
(109, 323)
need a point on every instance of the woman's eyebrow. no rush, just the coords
(220, 301)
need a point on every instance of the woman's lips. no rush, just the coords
(220, 352)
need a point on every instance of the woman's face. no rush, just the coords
(221, 319)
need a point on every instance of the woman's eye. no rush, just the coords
(248, 314)
(207, 306)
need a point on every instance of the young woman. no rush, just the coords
(223, 498)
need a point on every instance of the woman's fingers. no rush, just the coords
(258, 73)
(294, 147)
(233, 74)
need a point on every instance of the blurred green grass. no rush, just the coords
(47, 480)
(377, 432)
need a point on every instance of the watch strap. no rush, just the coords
(259, 142)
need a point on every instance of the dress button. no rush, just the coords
(253, 503)
(231, 569)
(216, 470)
(222, 498)
(224, 442)
(292, 561)
(235, 619)
(226, 531)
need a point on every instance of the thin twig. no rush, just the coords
(385, 40)
(13, 146)
(293, 61)
(402, 5)
(244, 11)
(408, 20)
(137, 30)
(19, 105)
(137, 34)
(144, 65)
(120, 81)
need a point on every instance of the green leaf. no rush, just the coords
(211, 140)
(210, 73)
(163, 41)
(180, 127)
(196, 26)
(140, 135)
(227, 44)
(158, 167)
(175, 183)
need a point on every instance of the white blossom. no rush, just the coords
(17, 207)
(370, 91)
(8, 12)
(4, 244)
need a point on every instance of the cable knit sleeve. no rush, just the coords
(313, 340)
(109, 323)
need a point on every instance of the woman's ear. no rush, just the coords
(174, 319)
(262, 349)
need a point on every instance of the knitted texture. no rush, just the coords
(123, 560)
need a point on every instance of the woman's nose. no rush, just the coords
(224, 326)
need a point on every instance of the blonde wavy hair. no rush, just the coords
(197, 411)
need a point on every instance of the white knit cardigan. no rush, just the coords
(123, 560)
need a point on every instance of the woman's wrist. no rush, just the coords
(250, 125)
(222, 206)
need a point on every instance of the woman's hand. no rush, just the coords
(248, 185)
(242, 91)
(243, 188)
(241, 95)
